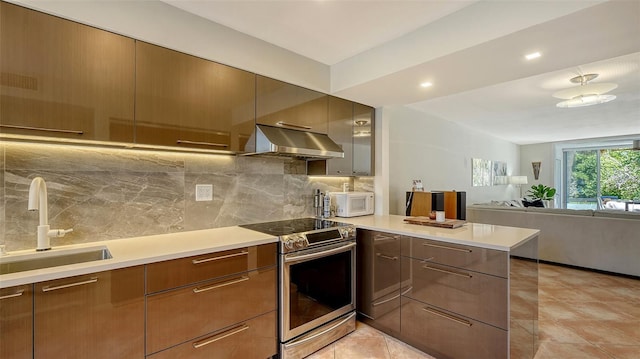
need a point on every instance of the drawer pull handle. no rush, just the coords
(466, 250)
(16, 294)
(293, 125)
(465, 275)
(205, 260)
(88, 281)
(375, 304)
(76, 132)
(447, 316)
(221, 336)
(220, 285)
(394, 258)
(187, 142)
(385, 238)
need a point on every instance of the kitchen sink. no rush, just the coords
(53, 258)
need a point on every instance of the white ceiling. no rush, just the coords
(472, 51)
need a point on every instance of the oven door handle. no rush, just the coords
(304, 257)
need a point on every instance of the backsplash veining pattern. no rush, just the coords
(117, 193)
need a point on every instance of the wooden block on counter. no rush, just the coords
(418, 204)
(426, 221)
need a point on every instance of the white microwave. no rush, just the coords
(352, 204)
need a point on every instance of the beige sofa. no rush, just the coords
(607, 240)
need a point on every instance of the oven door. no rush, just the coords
(316, 286)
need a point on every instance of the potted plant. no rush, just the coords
(543, 193)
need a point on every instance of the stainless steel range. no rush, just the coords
(317, 282)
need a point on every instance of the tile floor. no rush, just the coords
(582, 315)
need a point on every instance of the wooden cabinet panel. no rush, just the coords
(381, 279)
(186, 101)
(64, 79)
(363, 140)
(177, 316)
(285, 105)
(340, 130)
(100, 315)
(255, 338)
(179, 272)
(472, 294)
(477, 259)
(16, 322)
(350, 125)
(448, 335)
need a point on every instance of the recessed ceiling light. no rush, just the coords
(426, 84)
(533, 55)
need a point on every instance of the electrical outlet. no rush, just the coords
(204, 192)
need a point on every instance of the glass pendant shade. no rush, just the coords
(585, 100)
(586, 94)
(597, 89)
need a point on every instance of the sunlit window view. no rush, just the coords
(602, 178)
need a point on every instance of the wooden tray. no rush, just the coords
(426, 221)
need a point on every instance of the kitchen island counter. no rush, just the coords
(134, 251)
(468, 292)
(488, 236)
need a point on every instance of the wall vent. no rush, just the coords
(19, 81)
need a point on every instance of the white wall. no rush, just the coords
(543, 153)
(161, 24)
(439, 152)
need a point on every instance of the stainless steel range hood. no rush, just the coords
(287, 142)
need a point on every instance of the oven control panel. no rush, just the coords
(294, 242)
(298, 241)
(348, 232)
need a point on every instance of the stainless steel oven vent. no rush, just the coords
(294, 143)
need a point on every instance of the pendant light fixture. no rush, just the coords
(586, 94)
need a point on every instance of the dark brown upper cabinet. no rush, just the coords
(64, 79)
(363, 140)
(350, 126)
(340, 125)
(285, 105)
(186, 101)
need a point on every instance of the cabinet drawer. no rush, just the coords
(479, 296)
(179, 272)
(16, 322)
(448, 335)
(255, 338)
(468, 257)
(176, 316)
(98, 315)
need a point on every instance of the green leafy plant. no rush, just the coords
(541, 192)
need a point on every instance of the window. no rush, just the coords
(593, 176)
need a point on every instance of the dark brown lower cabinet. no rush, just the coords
(380, 281)
(100, 315)
(253, 338)
(16, 322)
(178, 316)
(216, 305)
(447, 335)
(450, 300)
(477, 295)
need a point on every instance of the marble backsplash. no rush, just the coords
(105, 193)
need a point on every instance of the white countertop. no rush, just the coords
(142, 250)
(148, 249)
(476, 234)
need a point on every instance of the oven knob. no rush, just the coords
(300, 243)
(288, 244)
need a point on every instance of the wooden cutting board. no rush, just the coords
(426, 221)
